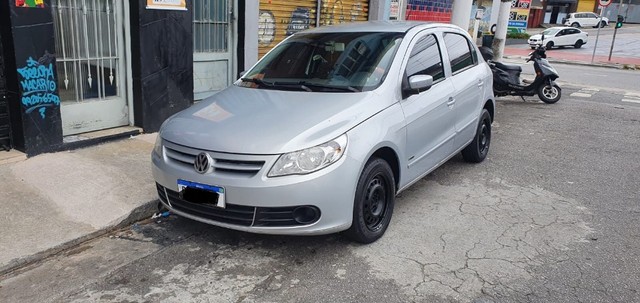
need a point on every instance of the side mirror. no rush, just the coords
(419, 83)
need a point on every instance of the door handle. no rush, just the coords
(451, 101)
(480, 83)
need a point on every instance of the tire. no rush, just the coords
(602, 24)
(374, 201)
(578, 44)
(549, 94)
(549, 45)
(575, 24)
(478, 149)
(533, 47)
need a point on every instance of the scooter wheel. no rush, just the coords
(549, 94)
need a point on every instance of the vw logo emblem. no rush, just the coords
(202, 163)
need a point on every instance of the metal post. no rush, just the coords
(595, 46)
(615, 31)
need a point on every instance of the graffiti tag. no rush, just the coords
(38, 87)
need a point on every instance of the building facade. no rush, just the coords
(69, 67)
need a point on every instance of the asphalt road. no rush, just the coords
(550, 216)
(626, 43)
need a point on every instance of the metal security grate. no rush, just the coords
(210, 25)
(87, 50)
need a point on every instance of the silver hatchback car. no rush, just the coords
(324, 131)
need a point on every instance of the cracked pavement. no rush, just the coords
(550, 216)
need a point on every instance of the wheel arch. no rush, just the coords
(389, 155)
(489, 105)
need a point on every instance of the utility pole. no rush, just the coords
(501, 30)
(461, 13)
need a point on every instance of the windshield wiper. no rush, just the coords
(257, 81)
(339, 88)
(284, 85)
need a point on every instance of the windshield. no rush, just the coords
(328, 62)
(550, 31)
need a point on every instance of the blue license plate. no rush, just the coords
(184, 184)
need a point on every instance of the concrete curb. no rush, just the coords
(570, 62)
(139, 213)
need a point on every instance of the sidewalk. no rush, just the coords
(555, 55)
(53, 201)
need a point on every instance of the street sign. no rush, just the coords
(604, 3)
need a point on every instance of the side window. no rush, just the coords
(425, 59)
(459, 51)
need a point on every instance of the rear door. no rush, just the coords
(468, 78)
(429, 118)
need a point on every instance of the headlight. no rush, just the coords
(157, 147)
(309, 160)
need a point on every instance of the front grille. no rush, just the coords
(223, 164)
(232, 214)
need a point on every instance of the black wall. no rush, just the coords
(28, 46)
(162, 63)
(5, 123)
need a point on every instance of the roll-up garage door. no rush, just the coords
(337, 11)
(586, 5)
(281, 18)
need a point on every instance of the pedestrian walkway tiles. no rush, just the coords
(585, 92)
(631, 97)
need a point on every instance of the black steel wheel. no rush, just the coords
(549, 93)
(374, 200)
(478, 149)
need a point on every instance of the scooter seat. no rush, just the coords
(503, 66)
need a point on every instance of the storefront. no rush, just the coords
(557, 10)
(78, 66)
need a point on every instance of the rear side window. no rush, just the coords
(459, 51)
(425, 59)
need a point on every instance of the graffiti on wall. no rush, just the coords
(38, 84)
(30, 3)
(278, 21)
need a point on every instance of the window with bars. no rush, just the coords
(87, 53)
(210, 26)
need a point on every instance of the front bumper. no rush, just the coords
(331, 190)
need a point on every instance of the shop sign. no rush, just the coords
(177, 5)
(519, 15)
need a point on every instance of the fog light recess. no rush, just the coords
(306, 214)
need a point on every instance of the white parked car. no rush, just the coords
(581, 19)
(559, 36)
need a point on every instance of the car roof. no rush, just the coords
(562, 27)
(377, 26)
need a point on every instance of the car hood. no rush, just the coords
(536, 37)
(260, 121)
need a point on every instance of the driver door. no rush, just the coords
(429, 115)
